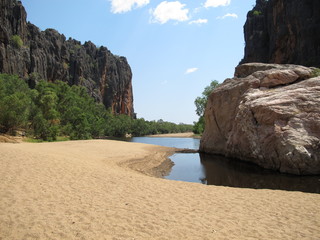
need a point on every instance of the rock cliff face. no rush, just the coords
(267, 114)
(282, 31)
(48, 55)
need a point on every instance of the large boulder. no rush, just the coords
(267, 114)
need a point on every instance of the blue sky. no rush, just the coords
(175, 48)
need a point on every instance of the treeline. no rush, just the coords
(57, 109)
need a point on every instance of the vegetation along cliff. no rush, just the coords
(281, 31)
(33, 55)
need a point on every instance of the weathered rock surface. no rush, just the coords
(282, 31)
(267, 114)
(48, 55)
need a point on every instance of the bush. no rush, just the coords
(316, 72)
(53, 109)
(66, 66)
(16, 41)
(256, 13)
(43, 129)
(199, 126)
(201, 103)
(15, 103)
(14, 112)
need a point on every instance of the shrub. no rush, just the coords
(201, 103)
(198, 127)
(66, 66)
(77, 46)
(257, 13)
(316, 72)
(56, 108)
(16, 41)
(15, 103)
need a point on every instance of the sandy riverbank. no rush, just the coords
(176, 135)
(88, 190)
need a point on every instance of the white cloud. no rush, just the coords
(166, 11)
(121, 6)
(233, 15)
(199, 21)
(191, 70)
(217, 3)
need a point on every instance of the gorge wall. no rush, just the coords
(33, 55)
(282, 31)
(268, 113)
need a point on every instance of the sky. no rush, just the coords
(175, 48)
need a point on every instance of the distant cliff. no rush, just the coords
(282, 31)
(35, 54)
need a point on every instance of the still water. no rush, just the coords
(191, 143)
(221, 171)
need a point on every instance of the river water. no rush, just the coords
(221, 171)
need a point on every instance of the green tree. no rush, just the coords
(16, 41)
(198, 127)
(51, 109)
(14, 112)
(15, 102)
(81, 126)
(152, 127)
(81, 117)
(118, 126)
(46, 122)
(140, 127)
(201, 103)
(44, 129)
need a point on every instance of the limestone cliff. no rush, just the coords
(267, 114)
(49, 55)
(282, 31)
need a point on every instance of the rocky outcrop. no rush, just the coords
(267, 114)
(282, 31)
(49, 55)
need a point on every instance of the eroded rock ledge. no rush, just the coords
(267, 114)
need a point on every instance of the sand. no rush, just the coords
(9, 139)
(176, 135)
(103, 189)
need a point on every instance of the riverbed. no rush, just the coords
(102, 189)
(220, 171)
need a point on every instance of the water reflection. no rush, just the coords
(221, 171)
(187, 168)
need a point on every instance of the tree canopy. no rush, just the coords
(201, 103)
(57, 109)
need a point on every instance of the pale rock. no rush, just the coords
(270, 117)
